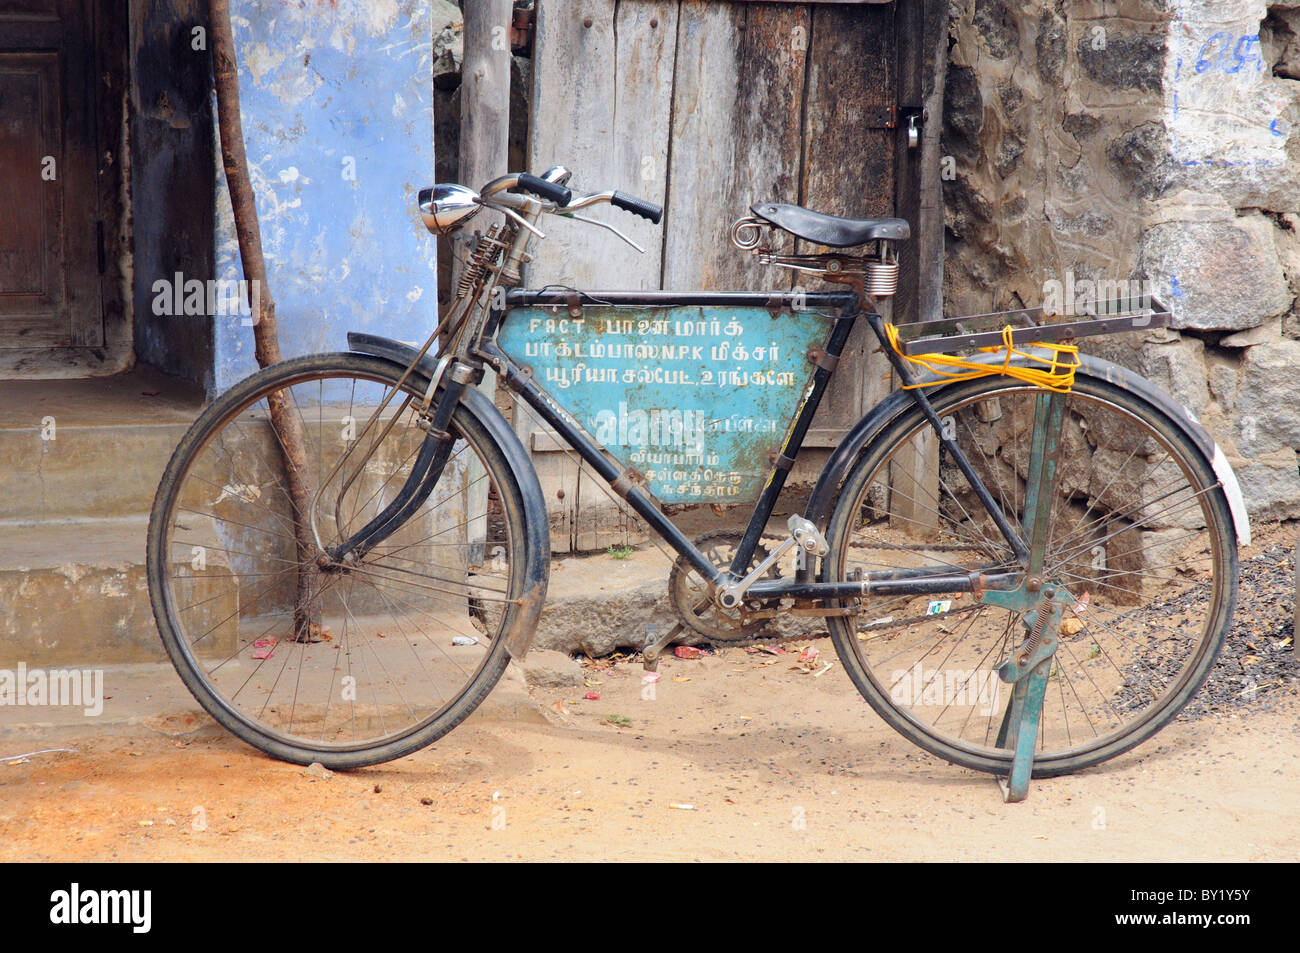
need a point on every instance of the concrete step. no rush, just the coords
(75, 592)
(89, 449)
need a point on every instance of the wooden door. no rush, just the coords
(707, 108)
(49, 223)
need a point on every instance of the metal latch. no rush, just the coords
(914, 116)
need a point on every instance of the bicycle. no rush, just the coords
(1052, 526)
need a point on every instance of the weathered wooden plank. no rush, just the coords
(921, 29)
(602, 94)
(736, 131)
(602, 90)
(485, 111)
(848, 166)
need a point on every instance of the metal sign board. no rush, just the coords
(693, 398)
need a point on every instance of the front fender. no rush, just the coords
(859, 438)
(537, 542)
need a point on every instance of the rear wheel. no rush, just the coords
(1140, 537)
(405, 642)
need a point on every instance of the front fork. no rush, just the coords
(425, 473)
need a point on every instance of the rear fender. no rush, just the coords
(869, 427)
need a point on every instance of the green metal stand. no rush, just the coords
(1043, 604)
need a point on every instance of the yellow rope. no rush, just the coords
(1055, 373)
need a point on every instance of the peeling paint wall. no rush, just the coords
(1142, 145)
(338, 124)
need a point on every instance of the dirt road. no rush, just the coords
(767, 763)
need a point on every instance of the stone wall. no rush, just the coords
(1142, 146)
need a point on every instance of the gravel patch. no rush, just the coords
(1258, 669)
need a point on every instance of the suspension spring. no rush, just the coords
(486, 250)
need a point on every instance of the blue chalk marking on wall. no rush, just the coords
(1227, 55)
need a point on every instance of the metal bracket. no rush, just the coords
(880, 117)
(780, 460)
(574, 302)
(1027, 669)
(827, 362)
(626, 480)
(802, 534)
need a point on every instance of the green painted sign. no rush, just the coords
(694, 398)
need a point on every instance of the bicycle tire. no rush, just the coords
(868, 651)
(257, 728)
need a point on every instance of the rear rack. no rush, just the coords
(1030, 326)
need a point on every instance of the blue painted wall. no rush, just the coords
(338, 124)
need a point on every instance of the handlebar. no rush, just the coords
(550, 191)
(566, 200)
(630, 203)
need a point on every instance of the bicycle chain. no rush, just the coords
(824, 632)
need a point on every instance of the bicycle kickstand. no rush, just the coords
(1028, 670)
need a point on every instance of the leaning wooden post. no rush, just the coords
(266, 341)
(484, 155)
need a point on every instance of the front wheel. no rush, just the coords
(1140, 537)
(401, 644)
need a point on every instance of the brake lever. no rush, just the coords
(500, 207)
(592, 221)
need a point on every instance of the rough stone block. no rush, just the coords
(1270, 484)
(548, 669)
(1227, 273)
(1268, 400)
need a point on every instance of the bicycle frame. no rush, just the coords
(478, 346)
(623, 481)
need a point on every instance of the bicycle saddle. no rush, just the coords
(831, 230)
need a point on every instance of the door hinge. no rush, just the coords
(881, 117)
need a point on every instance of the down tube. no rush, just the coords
(605, 467)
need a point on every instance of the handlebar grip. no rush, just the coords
(547, 190)
(630, 203)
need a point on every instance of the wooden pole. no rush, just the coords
(484, 104)
(484, 155)
(266, 341)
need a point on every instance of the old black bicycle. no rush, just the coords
(1026, 557)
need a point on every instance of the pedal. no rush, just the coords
(655, 644)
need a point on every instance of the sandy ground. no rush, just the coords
(737, 757)
(774, 765)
